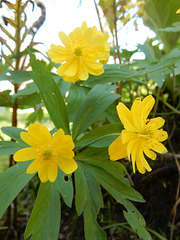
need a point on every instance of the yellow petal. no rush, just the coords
(43, 173)
(178, 11)
(150, 154)
(67, 165)
(117, 150)
(160, 135)
(141, 159)
(146, 106)
(72, 79)
(36, 136)
(72, 69)
(93, 65)
(59, 54)
(52, 172)
(83, 72)
(64, 67)
(25, 154)
(128, 136)
(132, 149)
(135, 111)
(155, 123)
(157, 146)
(84, 26)
(64, 39)
(33, 167)
(123, 112)
(61, 141)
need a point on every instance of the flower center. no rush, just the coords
(47, 155)
(78, 51)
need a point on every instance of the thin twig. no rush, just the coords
(99, 18)
(115, 29)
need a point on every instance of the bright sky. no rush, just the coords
(65, 15)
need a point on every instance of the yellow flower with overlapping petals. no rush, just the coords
(141, 136)
(48, 152)
(84, 52)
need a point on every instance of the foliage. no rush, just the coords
(87, 111)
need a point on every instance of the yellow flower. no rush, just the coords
(141, 136)
(48, 152)
(178, 11)
(84, 52)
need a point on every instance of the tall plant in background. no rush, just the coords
(15, 38)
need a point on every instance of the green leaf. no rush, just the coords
(44, 222)
(136, 220)
(112, 73)
(175, 28)
(177, 69)
(14, 133)
(92, 207)
(28, 90)
(16, 76)
(159, 15)
(111, 114)
(156, 67)
(96, 102)
(65, 187)
(37, 115)
(8, 148)
(148, 51)
(75, 98)
(28, 101)
(109, 174)
(6, 98)
(99, 133)
(160, 76)
(100, 158)
(50, 95)
(81, 190)
(12, 181)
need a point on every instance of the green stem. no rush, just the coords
(157, 102)
(170, 106)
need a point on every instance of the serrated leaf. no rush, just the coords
(12, 181)
(114, 182)
(136, 220)
(65, 187)
(156, 67)
(100, 158)
(96, 102)
(44, 222)
(50, 95)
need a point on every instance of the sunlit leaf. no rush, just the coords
(50, 95)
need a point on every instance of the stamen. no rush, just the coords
(47, 154)
(78, 51)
